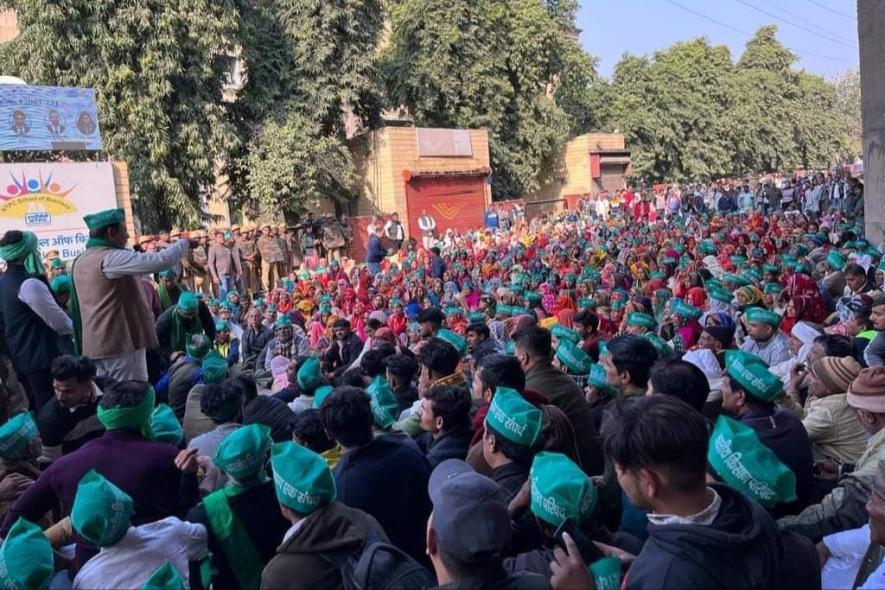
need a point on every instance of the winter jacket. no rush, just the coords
(739, 549)
(387, 478)
(564, 393)
(451, 445)
(306, 559)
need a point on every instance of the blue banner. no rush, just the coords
(38, 118)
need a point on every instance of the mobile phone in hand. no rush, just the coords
(590, 553)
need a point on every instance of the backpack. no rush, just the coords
(380, 566)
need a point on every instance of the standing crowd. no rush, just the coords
(679, 388)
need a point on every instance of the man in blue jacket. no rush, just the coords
(375, 251)
(385, 476)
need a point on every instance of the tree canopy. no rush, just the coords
(512, 67)
(158, 83)
(689, 112)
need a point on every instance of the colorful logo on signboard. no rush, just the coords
(35, 200)
(448, 212)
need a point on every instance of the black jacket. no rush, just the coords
(31, 342)
(564, 393)
(783, 433)
(251, 345)
(271, 412)
(451, 445)
(260, 514)
(60, 427)
(740, 549)
(388, 479)
(341, 354)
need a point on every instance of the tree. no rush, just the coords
(309, 65)
(512, 67)
(157, 77)
(848, 104)
(688, 112)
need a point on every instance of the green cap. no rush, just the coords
(214, 368)
(187, 303)
(772, 268)
(685, 310)
(222, 326)
(836, 260)
(719, 294)
(772, 288)
(585, 303)
(61, 284)
(476, 317)
(560, 490)
(753, 375)
(641, 320)
(664, 349)
(532, 296)
(321, 394)
(309, 376)
(16, 433)
(101, 510)
(104, 219)
(574, 359)
(764, 316)
(301, 477)
(753, 275)
(165, 577)
(166, 273)
(283, 321)
(165, 426)
(453, 310)
(26, 561)
(242, 454)
(383, 402)
(198, 351)
(563, 333)
(743, 462)
(511, 416)
(458, 342)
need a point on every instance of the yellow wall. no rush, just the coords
(382, 155)
(571, 173)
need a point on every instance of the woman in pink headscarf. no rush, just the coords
(801, 285)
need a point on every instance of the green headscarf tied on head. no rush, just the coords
(25, 251)
(197, 347)
(26, 560)
(184, 321)
(137, 417)
(309, 376)
(214, 368)
(165, 425)
(61, 284)
(101, 512)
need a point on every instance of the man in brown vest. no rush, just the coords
(113, 324)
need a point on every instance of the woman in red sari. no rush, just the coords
(800, 284)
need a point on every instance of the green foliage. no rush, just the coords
(309, 65)
(848, 104)
(688, 112)
(508, 66)
(154, 67)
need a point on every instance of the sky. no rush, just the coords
(822, 32)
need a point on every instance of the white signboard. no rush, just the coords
(50, 199)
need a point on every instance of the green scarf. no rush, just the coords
(231, 534)
(182, 330)
(137, 417)
(26, 251)
(75, 301)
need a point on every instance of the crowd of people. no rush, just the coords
(683, 388)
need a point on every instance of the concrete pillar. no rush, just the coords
(871, 33)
